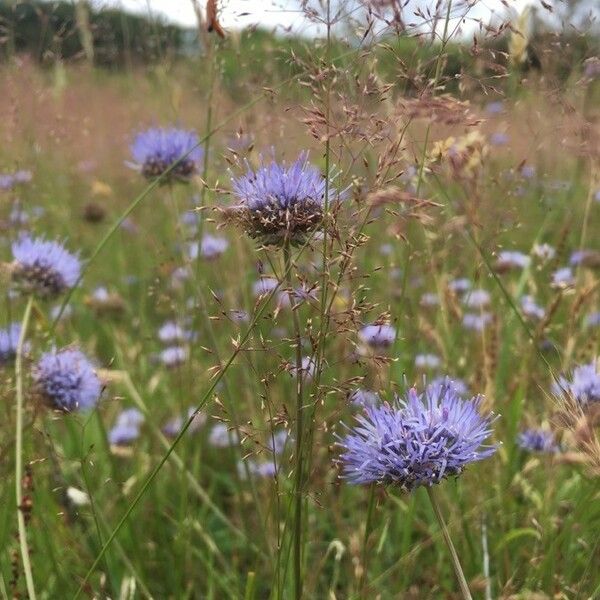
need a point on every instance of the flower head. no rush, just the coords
(157, 149)
(126, 428)
(280, 203)
(378, 335)
(421, 440)
(537, 440)
(584, 386)
(66, 380)
(9, 341)
(44, 267)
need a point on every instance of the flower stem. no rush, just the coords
(19, 453)
(462, 582)
(365, 554)
(297, 536)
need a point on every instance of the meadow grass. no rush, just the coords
(175, 514)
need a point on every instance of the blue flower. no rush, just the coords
(537, 440)
(531, 309)
(584, 387)
(9, 340)
(126, 428)
(211, 247)
(563, 278)
(420, 440)
(280, 203)
(156, 149)
(44, 267)
(476, 321)
(171, 332)
(378, 335)
(427, 361)
(512, 259)
(66, 380)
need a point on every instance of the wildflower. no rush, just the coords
(537, 440)
(157, 149)
(278, 441)
(499, 138)
(211, 247)
(221, 436)
(126, 428)
(476, 321)
(307, 369)
(585, 258)
(22, 176)
(364, 398)
(43, 267)
(584, 387)
(494, 108)
(173, 426)
(256, 469)
(527, 172)
(66, 380)
(508, 259)
(7, 181)
(458, 386)
(544, 251)
(460, 285)
(593, 319)
(239, 315)
(281, 203)
(429, 299)
(477, 298)
(9, 340)
(419, 440)
(531, 309)
(563, 278)
(264, 286)
(427, 361)
(171, 333)
(378, 335)
(173, 356)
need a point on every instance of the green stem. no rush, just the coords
(462, 582)
(299, 431)
(365, 554)
(19, 454)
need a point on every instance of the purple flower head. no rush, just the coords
(211, 247)
(511, 259)
(531, 309)
(562, 278)
(23, 176)
(460, 285)
(439, 384)
(307, 370)
(171, 332)
(477, 298)
(544, 251)
(593, 319)
(364, 398)
(278, 442)
(44, 267)
(7, 181)
(495, 108)
(476, 321)
(173, 426)
(9, 341)
(264, 286)
(584, 386)
(256, 469)
(280, 203)
(173, 356)
(427, 361)
(420, 440)
(222, 437)
(586, 258)
(429, 299)
(126, 428)
(156, 149)
(66, 380)
(378, 335)
(499, 138)
(538, 440)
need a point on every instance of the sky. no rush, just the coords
(269, 14)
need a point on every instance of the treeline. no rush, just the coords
(50, 30)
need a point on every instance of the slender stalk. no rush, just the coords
(462, 582)
(19, 453)
(299, 430)
(365, 554)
